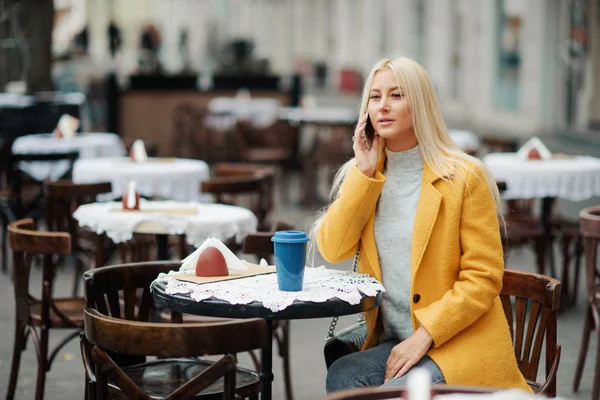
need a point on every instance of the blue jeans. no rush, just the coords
(367, 368)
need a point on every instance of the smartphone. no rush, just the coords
(369, 133)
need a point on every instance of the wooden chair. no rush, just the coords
(521, 231)
(88, 248)
(36, 317)
(260, 245)
(232, 181)
(120, 334)
(590, 229)
(22, 196)
(531, 302)
(276, 145)
(332, 148)
(196, 134)
(400, 392)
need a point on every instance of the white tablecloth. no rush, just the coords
(89, 145)
(465, 140)
(171, 178)
(319, 115)
(212, 220)
(576, 178)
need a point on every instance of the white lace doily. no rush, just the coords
(212, 220)
(320, 284)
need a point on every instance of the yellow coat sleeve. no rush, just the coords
(480, 271)
(342, 226)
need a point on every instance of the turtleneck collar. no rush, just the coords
(404, 161)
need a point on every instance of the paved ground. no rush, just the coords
(65, 380)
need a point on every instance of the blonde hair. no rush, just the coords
(439, 151)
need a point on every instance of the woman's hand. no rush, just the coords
(407, 353)
(365, 159)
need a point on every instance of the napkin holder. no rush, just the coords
(138, 151)
(131, 199)
(534, 149)
(66, 127)
(251, 270)
(188, 264)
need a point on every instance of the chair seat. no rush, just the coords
(160, 378)
(71, 307)
(519, 232)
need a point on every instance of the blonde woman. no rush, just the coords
(423, 216)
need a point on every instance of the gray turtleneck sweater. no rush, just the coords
(394, 222)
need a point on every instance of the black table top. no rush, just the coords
(298, 310)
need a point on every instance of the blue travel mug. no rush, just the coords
(290, 259)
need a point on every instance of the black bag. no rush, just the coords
(346, 341)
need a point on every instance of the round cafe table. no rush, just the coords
(170, 178)
(574, 178)
(198, 221)
(215, 307)
(88, 145)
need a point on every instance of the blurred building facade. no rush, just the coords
(502, 66)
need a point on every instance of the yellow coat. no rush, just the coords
(456, 271)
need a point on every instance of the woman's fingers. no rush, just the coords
(408, 365)
(393, 367)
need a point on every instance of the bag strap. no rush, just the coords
(334, 320)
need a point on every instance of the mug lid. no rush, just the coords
(290, 237)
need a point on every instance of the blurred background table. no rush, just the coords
(88, 145)
(169, 178)
(197, 221)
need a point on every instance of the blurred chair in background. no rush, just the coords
(22, 196)
(88, 248)
(35, 316)
(590, 230)
(246, 185)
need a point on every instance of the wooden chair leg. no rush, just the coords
(578, 257)
(77, 274)
(567, 293)
(596, 387)
(587, 330)
(18, 347)
(540, 254)
(42, 365)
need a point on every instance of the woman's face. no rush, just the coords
(389, 112)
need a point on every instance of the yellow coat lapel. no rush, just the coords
(426, 214)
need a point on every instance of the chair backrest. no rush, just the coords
(256, 182)
(530, 303)
(16, 179)
(400, 392)
(26, 242)
(260, 244)
(63, 198)
(123, 291)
